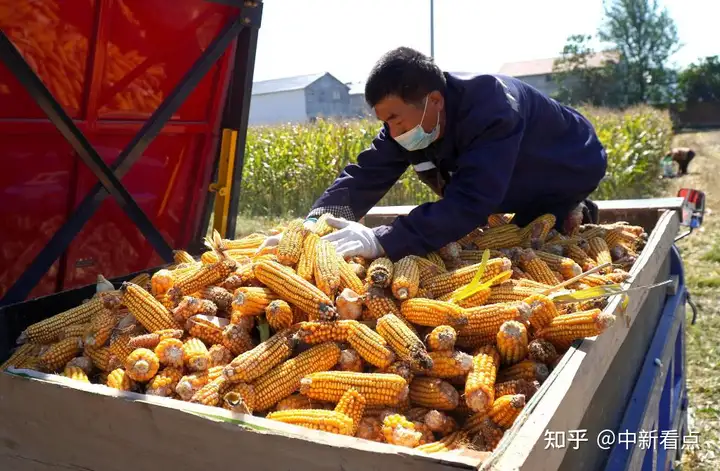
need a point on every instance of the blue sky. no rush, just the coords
(345, 37)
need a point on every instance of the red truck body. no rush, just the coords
(109, 64)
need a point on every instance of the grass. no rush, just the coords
(701, 256)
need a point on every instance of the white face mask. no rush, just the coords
(416, 138)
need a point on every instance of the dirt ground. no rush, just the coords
(701, 256)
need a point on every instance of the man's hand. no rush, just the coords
(353, 239)
(274, 240)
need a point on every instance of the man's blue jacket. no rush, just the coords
(506, 148)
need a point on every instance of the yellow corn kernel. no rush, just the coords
(279, 315)
(543, 310)
(48, 330)
(441, 338)
(406, 278)
(75, 330)
(480, 385)
(352, 404)
(142, 364)
(318, 332)
(537, 268)
(152, 340)
(76, 373)
(564, 329)
(580, 257)
(510, 291)
(450, 364)
(190, 306)
(517, 386)
(452, 441)
(446, 283)
(348, 278)
(99, 356)
(380, 302)
(195, 355)
(60, 352)
(83, 362)
(433, 393)
(370, 428)
(306, 264)
(119, 379)
(170, 352)
(527, 369)
(376, 388)
(432, 312)
(220, 355)
(317, 419)
(255, 362)
(397, 430)
(290, 247)
(286, 377)
(505, 410)
(237, 339)
(567, 267)
(251, 301)
(321, 227)
(380, 272)
(327, 268)
(212, 392)
(484, 321)
(148, 311)
(512, 342)
(599, 251)
(294, 401)
(206, 275)
(429, 268)
(350, 360)
(193, 382)
(403, 341)
(542, 351)
(295, 290)
(371, 346)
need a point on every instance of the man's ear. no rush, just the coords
(437, 99)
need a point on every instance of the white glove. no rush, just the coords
(274, 240)
(353, 239)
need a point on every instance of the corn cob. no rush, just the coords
(76, 373)
(432, 313)
(352, 404)
(286, 377)
(439, 422)
(348, 277)
(397, 430)
(142, 280)
(567, 267)
(563, 330)
(535, 234)
(517, 386)
(580, 257)
(450, 442)
(507, 235)
(473, 423)
(250, 241)
(291, 244)
(441, 338)
(512, 342)
(23, 353)
(82, 362)
(164, 382)
(141, 365)
(306, 264)
(152, 340)
(495, 220)
(60, 352)
(403, 341)
(321, 227)
(170, 352)
(484, 321)
(449, 364)
(190, 305)
(537, 268)
(204, 276)
(295, 290)
(279, 315)
(380, 272)
(370, 428)
(327, 268)
(376, 388)
(448, 282)
(318, 332)
(349, 305)
(193, 382)
(239, 398)
(527, 369)
(148, 311)
(209, 329)
(505, 410)
(433, 393)
(251, 301)
(243, 276)
(220, 355)
(491, 434)
(317, 419)
(480, 386)
(48, 330)
(254, 363)
(599, 251)
(219, 296)
(294, 401)
(119, 379)
(237, 339)
(99, 356)
(478, 298)
(371, 346)
(406, 278)
(542, 351)
(299, 315)
(510, 291)
(350, 360)
(379, 302)
(359, 270)
(161, 282)
(428, 269)
(195, 355)
(75, 330)
(212, 392)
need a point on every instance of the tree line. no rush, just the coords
(638, 38)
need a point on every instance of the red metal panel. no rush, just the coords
(54, 38)
(127, 56)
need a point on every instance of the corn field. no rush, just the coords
(288, 167)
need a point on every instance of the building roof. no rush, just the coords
(284, 84)
(545, 66)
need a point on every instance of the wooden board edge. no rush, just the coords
(461, 460)
(572, 384)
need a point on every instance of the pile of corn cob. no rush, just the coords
(429, 352)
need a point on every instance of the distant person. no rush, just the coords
(486, 144)
(683, 156)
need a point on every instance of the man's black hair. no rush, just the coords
(406, 73)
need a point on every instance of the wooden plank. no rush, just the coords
(71, 425)
(567, 393)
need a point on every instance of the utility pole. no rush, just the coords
(432, 29)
